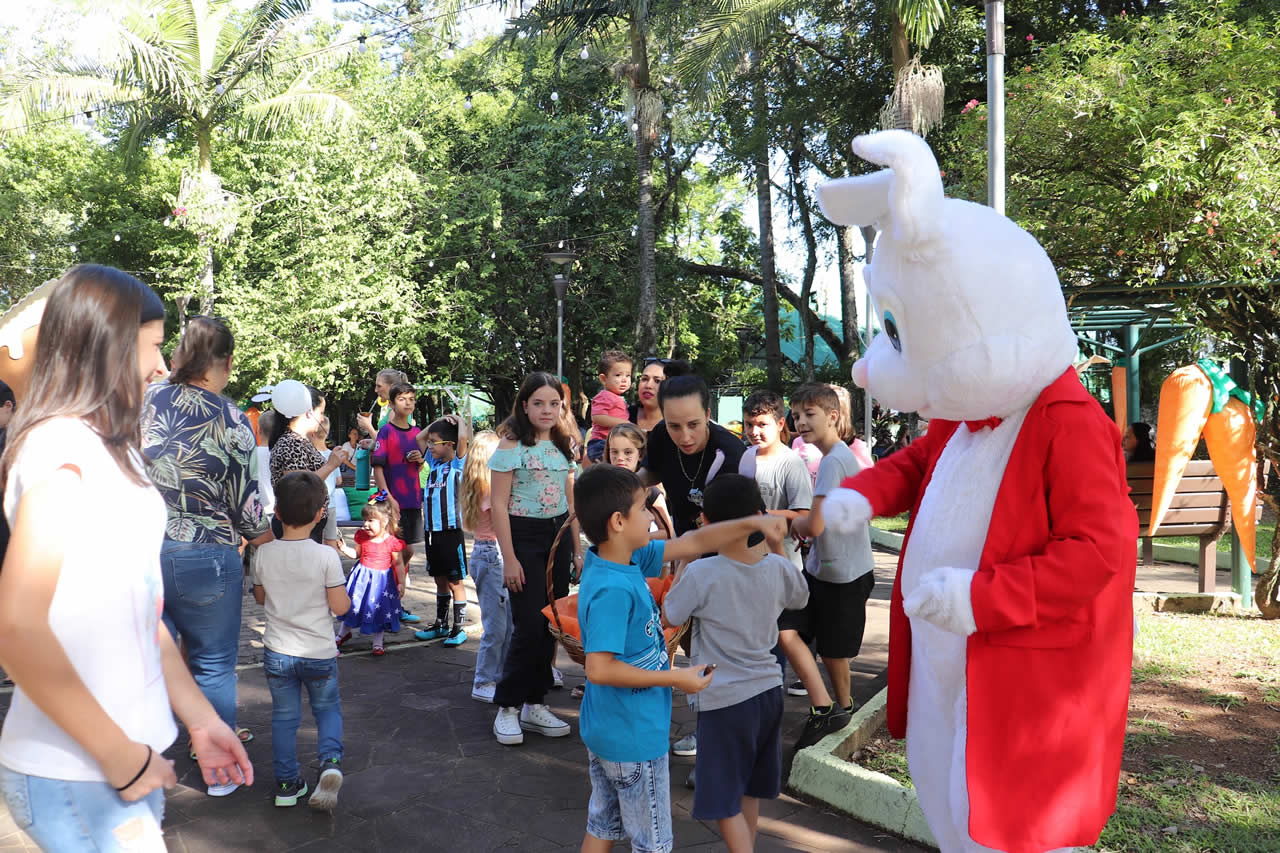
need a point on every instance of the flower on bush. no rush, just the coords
(973, 103)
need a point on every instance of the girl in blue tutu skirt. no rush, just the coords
(377, 581)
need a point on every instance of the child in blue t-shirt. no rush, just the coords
(626, 712)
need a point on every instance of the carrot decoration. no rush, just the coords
(1203, 399)
(1185, 398)
(1229, 436)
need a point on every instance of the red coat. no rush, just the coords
(1048, 669)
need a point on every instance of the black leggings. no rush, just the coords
(526, 674)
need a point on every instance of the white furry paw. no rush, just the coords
(844, 510)
(943, 599)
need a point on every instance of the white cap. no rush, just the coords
(291, 398)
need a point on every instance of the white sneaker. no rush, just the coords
(325, 797)
(557, 678)
(223, 790)
(484, 692)
(507, 727)
(687, 745)
(538, 718)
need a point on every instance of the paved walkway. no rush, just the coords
(423, 768)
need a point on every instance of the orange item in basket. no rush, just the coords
(567, 609)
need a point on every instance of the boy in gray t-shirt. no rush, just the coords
(839, 573)
(735, 598)
(778, 470)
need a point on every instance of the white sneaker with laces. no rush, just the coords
(539, 719)
(507, 727)
(223, 790)
(484, 692)
(687, 745)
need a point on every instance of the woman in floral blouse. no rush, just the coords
(200, 452)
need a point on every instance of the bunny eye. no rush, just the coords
(891, 329)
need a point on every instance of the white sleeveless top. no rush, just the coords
(105, 609)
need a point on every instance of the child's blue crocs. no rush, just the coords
(457, 638)
(406, 616)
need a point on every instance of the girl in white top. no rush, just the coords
(96, 673)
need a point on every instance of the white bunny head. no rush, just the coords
(974, 322)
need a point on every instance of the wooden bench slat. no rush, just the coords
(1144, 485)
(1201, 515)
(1166, 530)
(1195, 468)
(1182, 499)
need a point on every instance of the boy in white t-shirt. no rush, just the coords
(301, 582)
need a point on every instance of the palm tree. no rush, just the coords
(189, 64)
(736, 28)
(574, 24)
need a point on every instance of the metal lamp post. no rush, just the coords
(564, 261)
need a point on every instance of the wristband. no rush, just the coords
(145, 765)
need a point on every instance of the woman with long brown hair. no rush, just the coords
(201, 455)
(80, 635)
(531, 495)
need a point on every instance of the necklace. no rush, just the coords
(698, 468)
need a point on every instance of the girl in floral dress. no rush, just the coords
(531, 496)
(377, 580)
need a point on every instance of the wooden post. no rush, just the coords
(1208, 563)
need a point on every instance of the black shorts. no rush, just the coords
(447, 555)
(836, 615)
(739, 755)
(411, 525)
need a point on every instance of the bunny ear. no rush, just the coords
(863, 200)
(915, 192)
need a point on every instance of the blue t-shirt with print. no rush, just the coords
(617, 614)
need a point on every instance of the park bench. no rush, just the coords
(1200, 508)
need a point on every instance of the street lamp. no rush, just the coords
(564, 262)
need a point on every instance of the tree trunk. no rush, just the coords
(900, 46)
(205, 291)
(810, 264)
(768, 271)
(848, 294)
(647, 309)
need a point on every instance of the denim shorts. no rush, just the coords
(631, 800)
(67, 817)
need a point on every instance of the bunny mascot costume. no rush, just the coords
(1011, 626)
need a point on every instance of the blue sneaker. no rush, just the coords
(406, 616)
(435, 632)
(457, 638)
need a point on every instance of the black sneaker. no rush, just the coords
(796, 688)
(822, 723)
(326, 796)
(288, 793)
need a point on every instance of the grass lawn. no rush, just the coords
(1201, 769)
(897, 523)
(1265, 536)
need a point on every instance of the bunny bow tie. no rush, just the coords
(975, 426)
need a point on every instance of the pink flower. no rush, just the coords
(1120, 253)
(1227, 101)
(1122, 13)
(1026, 68)
(973, 103)
(943, 174)
(1030, 37)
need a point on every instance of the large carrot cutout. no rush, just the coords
(1197, 400)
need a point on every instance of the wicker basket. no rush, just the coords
(572, 643)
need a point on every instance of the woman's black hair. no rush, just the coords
(520, 428)
(205, 341)
(674, 387)
(1146, 449)
(280, 424)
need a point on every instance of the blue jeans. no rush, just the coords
(631, 799)
(73, 816)
(202, 600)
(286, 675)
(495, 612)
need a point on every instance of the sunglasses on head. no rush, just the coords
(653, 359)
